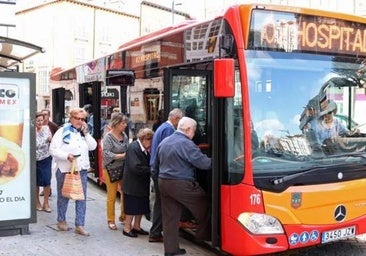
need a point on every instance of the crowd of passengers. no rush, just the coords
(166, 155)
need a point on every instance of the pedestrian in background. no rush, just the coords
(89, 117)
(115, 143)
(46, 115)
(72, 141)
(136, 183)
(43, 162)
(177, 159)
(164, 130)
(159, 121)
(53, 128)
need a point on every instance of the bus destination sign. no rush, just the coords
(297, 32)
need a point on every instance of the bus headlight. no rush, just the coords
(260, 224)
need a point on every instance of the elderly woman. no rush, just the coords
(115, 144)
(72, 141)
(136, 182)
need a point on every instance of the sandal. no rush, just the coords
(112, 226)
(81, 231)
(62, 226)
(47, 210)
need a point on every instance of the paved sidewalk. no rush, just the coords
(45, 240)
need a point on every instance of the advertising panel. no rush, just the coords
(17, 139)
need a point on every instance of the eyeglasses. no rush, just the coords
(79, 118)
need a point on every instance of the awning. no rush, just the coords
(13, 52)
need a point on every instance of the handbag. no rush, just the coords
(72, 187)
(115, 170)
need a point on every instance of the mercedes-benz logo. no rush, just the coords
(340, 213)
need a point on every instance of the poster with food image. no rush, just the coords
(15, 146)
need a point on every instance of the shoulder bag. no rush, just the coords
(115, 170)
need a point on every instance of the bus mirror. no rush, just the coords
(226, 43)
(120, 77)
(224, 82)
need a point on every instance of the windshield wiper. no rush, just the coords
(286, 178)
(279, 181)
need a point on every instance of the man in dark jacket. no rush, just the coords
(176, 160)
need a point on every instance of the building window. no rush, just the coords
(43, 81)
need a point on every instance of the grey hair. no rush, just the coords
(73, 112)
(145, 134)
(176, 112)
(185, 123)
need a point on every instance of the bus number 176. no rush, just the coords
(255, 199)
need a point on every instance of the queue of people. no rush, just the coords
(168, 157)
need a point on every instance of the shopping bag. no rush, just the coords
(72, 187)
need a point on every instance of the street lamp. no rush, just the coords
(173, 11)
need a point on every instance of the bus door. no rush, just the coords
(58, 106)
(90, 93)
(191, 91)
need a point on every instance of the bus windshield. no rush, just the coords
(306, 110)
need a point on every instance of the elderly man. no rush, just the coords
(165, 129)
(176, 160)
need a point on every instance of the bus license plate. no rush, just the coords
(337, 234)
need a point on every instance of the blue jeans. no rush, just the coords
(63, 202)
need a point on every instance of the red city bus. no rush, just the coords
(263, 83)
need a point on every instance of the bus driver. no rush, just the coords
(329, 127)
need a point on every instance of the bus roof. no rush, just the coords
(57, 72)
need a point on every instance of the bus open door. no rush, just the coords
(89, 99)
(190, 91)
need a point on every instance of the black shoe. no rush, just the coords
(179, 252)
(148, 216)
(140, 232)
(158, 239)
(129, 234)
